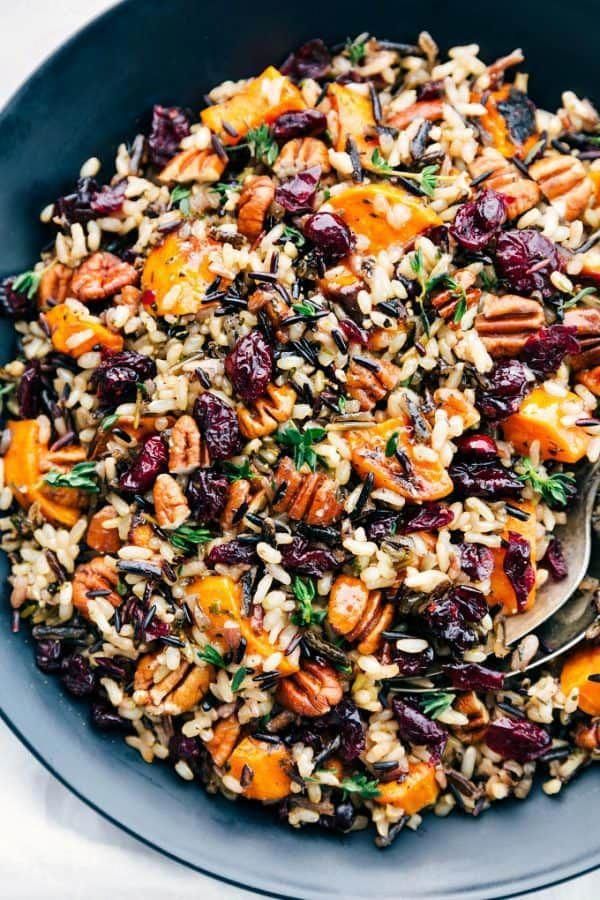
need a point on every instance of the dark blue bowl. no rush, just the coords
(93, 92)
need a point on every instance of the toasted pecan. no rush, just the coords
(300, 154)
(312, 691)
(104, 540)
(520, 193)
(506, 323)
(274, 306)
(368, 387)
(588, 736)
(184, 446)
(55, 284)
(170, 691)
(225, 735)
(476, 712)
(255, 199)
(202, 166)
(587, 322)
(446, 302)
(170, 506)
(101, 275)
(309, 498)
(99, 574)
(564, 181)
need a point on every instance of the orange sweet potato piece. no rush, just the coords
(178, 273)
(501, 590)
(454, 404)
(220, 599)
(370, 211)
(495, 124)
(66, 326)
(354, 119)
(262, 100)
(576, 672)
(538, 419)
(348, 601)
(423, 480)
(418, 790)
(267, 764)
(432, 110)
(590, 378)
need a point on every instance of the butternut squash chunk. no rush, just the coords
(354, 120)
(420, 480)
(576, 672)
(178, 273)
(539, 419)
(501, 590)
(383, 213)
(268, 766)
(75, 334)
(495, 124)
(264, 99)
(418, 790)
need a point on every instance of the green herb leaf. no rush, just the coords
(381, 164)
(27, 283)
(223, 189)
(293, 235)
(212, 656)
(428, 180)
(342, 401)
(108, 421)
(416, 263)
(180, 196)
(461, 308)
(391, 444)
(361, 785)
(82, 476)
(189, 536)
(305, 591)
(301, 442)
(434, 705)
(262, 145)
(555, 488)
(576, 298)
(236, 681)
(355, 50)
(305, 308)
(238, 472)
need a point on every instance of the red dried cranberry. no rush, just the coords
(415, 728)
(15, 304)
(431, 90)
(348, 724)
(77, 207)
(476, 561)
(438, 235)
(517, 739)
(184, 748)
(518, 568)
(354, 334)
(249, 366)
(218, 424)
(330, 235)
(297, 194)
(116, 378)
(411, 664)
(381, 525)
(526, 260)
(109, 199)
(519, 114)
(207, 495)
(311, 60)
(77, 675)
(545, 350)
(301, 123)
(29, 390)
(447, 622)
(473, 677)
(489, 481)
(118, 667)
(232, 554)
(169, 126)
(505, 387)
(431, 515)
(106, 718)
(48, 655)
(150, 462)
(477, 446)
(470, 601)
(555, 561)
(479, 221)
(300, 557)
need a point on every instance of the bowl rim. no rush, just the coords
(535, 882)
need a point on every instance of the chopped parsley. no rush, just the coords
(239, 472)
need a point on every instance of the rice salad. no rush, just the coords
(298, 400)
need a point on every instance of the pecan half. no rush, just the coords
(101, 275)
(308, 498)
(255, 199)
(506, 323)
(170, 691)
(588, 736)
(445, 302)
(225, 735)
(130, 296)
(312, 691)
(264, 415)
(105, 540)
(587, 322)
(300, 154)
(55, 284)
(184, 446)
(476, 712)
(99, 574)
(520, 193)
(203, 166)
(367, 386)
(170, 506)
(274, 306)
(375, 619)
(563, 181)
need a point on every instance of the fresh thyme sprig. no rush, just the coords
(82, 476)
(188, 536)
(180, 197)
(27, 283)
(301, 444)
(305, 591)
(557, 488)
(436, 704)
(211, 655)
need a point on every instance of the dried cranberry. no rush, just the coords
(517, 739)
(301, 123)
(232, 553)
(109, 199)
(77, 675)
(352, 332)
(518, 567)
(184, 748)
(504, 389)
(487, 480)
(297, 194)
(150, 462)
(431, 90)
(349, 725)
(300, 557)
(473, 677)
(476, 561)
(29, 390)
(555, 561)
(545, 350)
(106, 718)
(415, 728)
(431, 515)
(411, 664)
(381, 525)
(526, 259)
(519, 114)
(118, 667)
(169, 126)
(330, 235)
(218, 424)
(156, 629)
(470, 601)
(207, 495)
(479, 221)
(249, 366)
(15, 304)
(77, 207)
(48, 655)
(438, 235)
(477, 446)
(311, 60)
(446, 621)
(118, 375)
